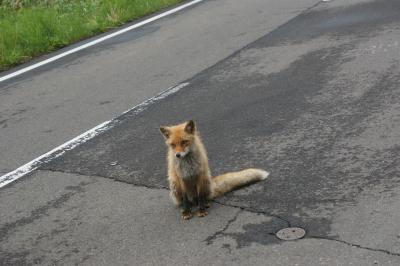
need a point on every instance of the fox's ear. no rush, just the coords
(165, 131)
(190, 127)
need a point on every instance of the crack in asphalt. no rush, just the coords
(354, 245)
(209, 240)
(252, 210)
(106, 177)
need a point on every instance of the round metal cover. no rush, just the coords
(291, 233)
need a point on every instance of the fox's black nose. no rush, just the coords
(178, 155)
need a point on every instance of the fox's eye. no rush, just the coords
(173, 145)
(184, 142)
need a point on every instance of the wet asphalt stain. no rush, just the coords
(262, 233)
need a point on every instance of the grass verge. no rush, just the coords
(32, 27)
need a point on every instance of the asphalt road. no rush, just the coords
(50, 105)
(315, 102)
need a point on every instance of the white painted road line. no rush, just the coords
(101, 39)
(84, 137)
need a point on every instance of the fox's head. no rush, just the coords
(180, 138)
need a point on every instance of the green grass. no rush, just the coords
(32, 27)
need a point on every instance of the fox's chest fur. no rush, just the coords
(189, 168)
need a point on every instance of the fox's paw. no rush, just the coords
(202, 213)
(187, 215)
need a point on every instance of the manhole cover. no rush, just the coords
(291, 233)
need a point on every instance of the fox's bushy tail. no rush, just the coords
(227, 182)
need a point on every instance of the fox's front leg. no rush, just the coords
(203, 205)
(203, 191)
(186, 205)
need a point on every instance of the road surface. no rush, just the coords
(314, 100)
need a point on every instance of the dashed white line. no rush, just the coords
(82, 138)
(101, 39)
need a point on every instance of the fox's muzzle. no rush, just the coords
(182, 154)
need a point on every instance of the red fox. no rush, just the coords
(189, 175)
